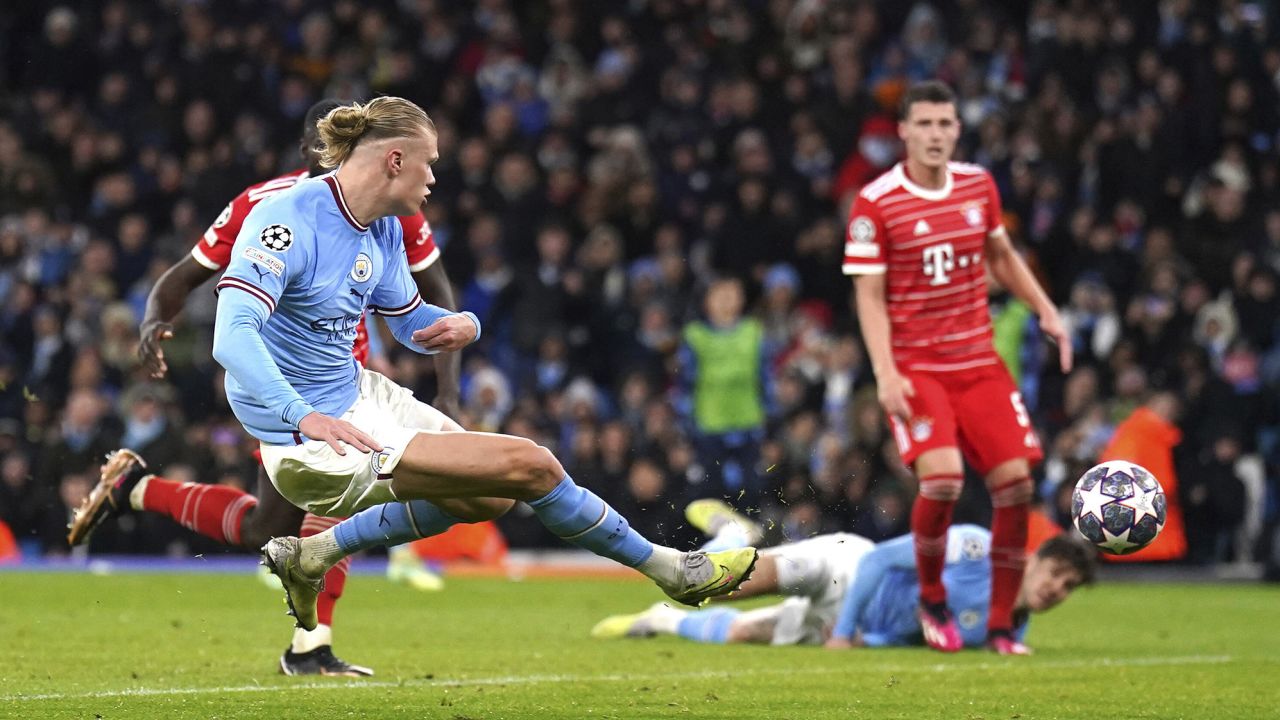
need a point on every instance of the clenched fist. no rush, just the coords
(451, 332)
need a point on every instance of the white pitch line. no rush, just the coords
(550, 679)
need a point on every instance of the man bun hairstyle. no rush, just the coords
(318, 111)
(346, 126)
(930, 91)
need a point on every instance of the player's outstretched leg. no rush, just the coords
(727, 528)
(467, 464)
(447, 467)
(215, 511)
(117, 478)
(714, 625)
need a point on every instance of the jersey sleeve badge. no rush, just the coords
(276, 237)
(862, 231)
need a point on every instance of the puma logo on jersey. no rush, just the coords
(922, 228)
(259, 257)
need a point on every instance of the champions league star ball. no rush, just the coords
(1119, 507)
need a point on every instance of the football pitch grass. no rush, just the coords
(206, 646)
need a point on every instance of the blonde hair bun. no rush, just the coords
(382, 117)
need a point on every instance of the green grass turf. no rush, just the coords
(199, 646)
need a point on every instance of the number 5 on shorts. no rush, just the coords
(1019, 409)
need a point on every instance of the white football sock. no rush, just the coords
(138, 492)
(320, 552)
(308, 640)
(664, 619)
(663, 566)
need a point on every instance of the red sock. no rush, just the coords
(334, 580)
(215, 511)
(1011, 503)
(930, 518)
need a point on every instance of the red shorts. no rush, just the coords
(978, 410)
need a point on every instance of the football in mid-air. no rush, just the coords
(1119, 507)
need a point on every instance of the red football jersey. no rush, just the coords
(930, 244)
(214, 249)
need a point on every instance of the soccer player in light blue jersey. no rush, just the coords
(845, 591)
(340, 440)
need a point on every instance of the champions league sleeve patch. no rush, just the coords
(862, 235)
(862, 230)
(276, 237)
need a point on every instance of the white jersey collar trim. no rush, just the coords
(900, 172)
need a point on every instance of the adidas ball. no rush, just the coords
(1119, 507)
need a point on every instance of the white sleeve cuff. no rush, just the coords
(425, 262)
(198, 254)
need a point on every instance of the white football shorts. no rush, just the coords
(315, 477)
(816, 573)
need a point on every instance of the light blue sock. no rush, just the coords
(391, 524)
(579, 516)
(707, 626)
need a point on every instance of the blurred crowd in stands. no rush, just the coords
(602, 165)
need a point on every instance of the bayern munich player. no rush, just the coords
(920, 239)
(225, 514)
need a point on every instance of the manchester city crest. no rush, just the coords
(362, 269)
(378, 460)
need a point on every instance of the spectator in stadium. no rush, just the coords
(723, 394)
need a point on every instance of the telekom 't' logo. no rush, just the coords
(938, 261)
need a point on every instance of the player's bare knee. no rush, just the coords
(534, 470)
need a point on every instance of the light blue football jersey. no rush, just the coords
(302, 273)
(884, 597)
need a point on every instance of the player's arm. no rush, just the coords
(238, 347)
(164, 302)
(419, 326)
(209, 257)
(866, 259)
(434, 286)
(873, 318)
(1012, 272)
(896, 553)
